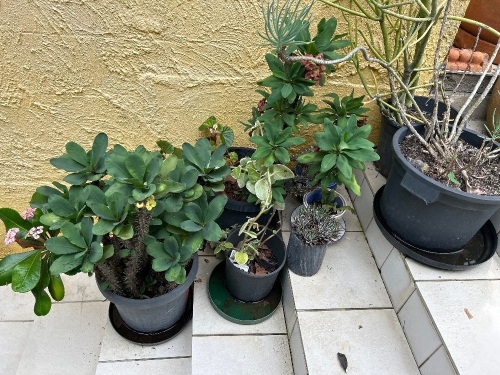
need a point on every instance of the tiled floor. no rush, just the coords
(386, 313)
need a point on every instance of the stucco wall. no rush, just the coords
(137, 70)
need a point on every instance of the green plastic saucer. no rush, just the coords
(235, 310)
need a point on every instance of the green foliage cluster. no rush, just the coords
(120, 214)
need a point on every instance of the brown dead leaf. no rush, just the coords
(469, 315)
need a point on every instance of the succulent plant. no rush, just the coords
(314, 225)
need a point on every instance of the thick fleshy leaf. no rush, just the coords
(328, 162)
(61, 245)
(77, 153)
(67, 164)
(73, 235)
(190, 226)
(263, 189)
(212, 231)
(99, 147)
(96, 252)
(344, 166)
(103, 227)
(135, 166)
(193, 212)
(26, 274)
(61, 206)
(125, 232)
(65, 263)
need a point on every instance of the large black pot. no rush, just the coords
(388, 127)
(158, 313)
(249, 287)
(427, 214)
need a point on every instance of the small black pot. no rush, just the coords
(304, 260)
(388, 127)
(427, 214)
(248, 287)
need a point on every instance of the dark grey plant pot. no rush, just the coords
(304, 260)
(248, 287)
(158, 313)
(427, 214)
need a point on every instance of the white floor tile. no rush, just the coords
(351, 219)
(496, 221)
(288, 301)
(466, 314)
(290, 204)
(116, 348)
(206, 321)
(360, 176)
(397, 279)
(81, 287)
(348, 278)
(67, 341)
(19, 306)
(364, 205)
(14, 339)
(486, 271)
(372, 341)
(177, 366)
(242, 355)
(381, 248)
(374, 178)
(418, 328)
(438, 363)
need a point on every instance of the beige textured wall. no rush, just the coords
(137, 70)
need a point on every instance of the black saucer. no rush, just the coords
(235, 310)
(151, 338)
(478, 250)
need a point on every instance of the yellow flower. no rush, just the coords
(139, 204)
(150, 203)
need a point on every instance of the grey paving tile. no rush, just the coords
(397, 279)
(364, 205)
(351, 219)
(381, 248)
(372, 341)
(438, 363)
(66, 341)
(206, 321)
(348, 278)
(19, 307)
(243, 355)
(14, 339)
(177, 366)
(81, 287)
(297, 350)
(374, 178)
(418, 328)
(116, 348)
(466, 316)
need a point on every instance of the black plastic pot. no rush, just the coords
(388, 127)
(427, 214)
(248, 287)
(315, 197)
(158, 313)
(304, 260)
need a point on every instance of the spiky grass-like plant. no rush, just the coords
(314, 225)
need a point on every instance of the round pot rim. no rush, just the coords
(148, 302)
(277, 270)
(338, 214)
(401, 133)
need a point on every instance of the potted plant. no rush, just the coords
(312, 230)
(134, 218)
(406, 31)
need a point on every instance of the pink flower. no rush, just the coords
(35, 232)
(10, 236)
(28, 213)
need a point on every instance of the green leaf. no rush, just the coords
(61, 245)
(163, 263)
(328, 162)
(99, 147)
(125, 232)
(73, 235)
(212, 231)
(67, 164)
(135, 166)
(77, 153)
(12, 219)
(190, 226)
(286, 90)
(103, 227)
(193, 212)
(26, 273)
(451, 176)
(175, 273)
(102, 210)
(263, 190)
(344, 166)
(96, 252)
(241, 257)
(65, 263)
(60, 206)
(51, 220)
(215, 207)
(8, 264)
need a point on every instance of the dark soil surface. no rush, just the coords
(482, 179)
(233, 191)
(265, 262)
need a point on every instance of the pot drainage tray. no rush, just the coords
(151, 338)
(478, 250)
(235, 310)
